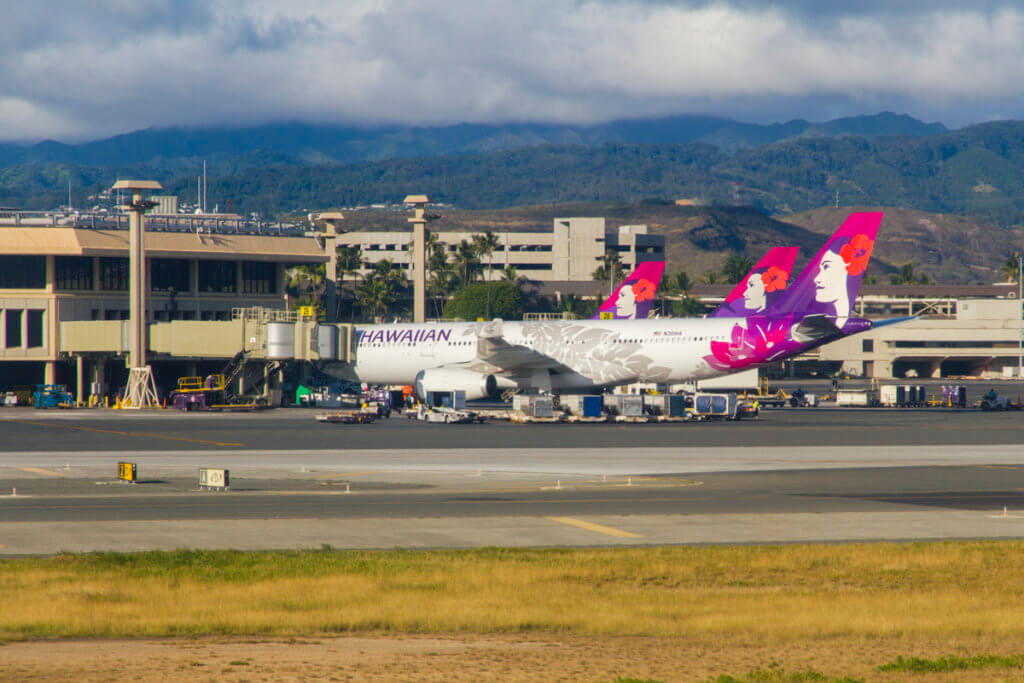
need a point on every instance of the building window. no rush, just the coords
(72, 272)
(259, 278)
(217, 276)
(114, 273)
(12, 328)
(22, 272)
(34, 328)
(168, 274)
(867, 345)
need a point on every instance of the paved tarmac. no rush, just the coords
(793, 476)
(25, 430)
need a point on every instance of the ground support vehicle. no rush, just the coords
(346, 417)
(997, 403)
(199, 393)
(446, 415)
(52, 396)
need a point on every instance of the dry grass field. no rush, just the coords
(820, 612)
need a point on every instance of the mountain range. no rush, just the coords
(299, 143)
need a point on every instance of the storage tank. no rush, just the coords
(327, 342)
(280, 341)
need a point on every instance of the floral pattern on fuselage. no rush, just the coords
(754, 340)
(595, 353)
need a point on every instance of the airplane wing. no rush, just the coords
(495, 354)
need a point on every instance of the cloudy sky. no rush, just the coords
(81, 69)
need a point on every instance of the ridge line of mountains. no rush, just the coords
(300, 143)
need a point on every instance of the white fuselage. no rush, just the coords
(582, 353)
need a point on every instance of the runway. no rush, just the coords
(795, 475)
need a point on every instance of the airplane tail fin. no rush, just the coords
(830, 282)
(763, 284)
(634, 297)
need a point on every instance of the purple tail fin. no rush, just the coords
(633, 298)
(763, 285)
(830, 282)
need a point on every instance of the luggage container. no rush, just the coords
(534, 405)
(583, 406)
(715, 405)
(668, 405)
(888, 395)
(954, 396)
(626, 405)
(447, 399)
(856, 398)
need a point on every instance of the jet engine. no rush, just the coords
(475, 384)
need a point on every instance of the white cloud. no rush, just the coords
(88, 69)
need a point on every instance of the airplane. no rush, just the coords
(765, 283)
(632, 300)
(486, 358)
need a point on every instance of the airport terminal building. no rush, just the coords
(62, 270)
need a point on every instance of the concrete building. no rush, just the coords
(570, 252)
(59, 269)
(971, 337)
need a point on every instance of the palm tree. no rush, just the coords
(1010, 268)
(485, 245)
(610, 269)
(467, 260)
(510, 274)
(711, 277)
(908, 276)
(350, 262)
(442, 274)
(680, 282)
(379, 289)
(307, 281)
(736, 267)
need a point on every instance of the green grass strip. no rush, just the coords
(953, 663)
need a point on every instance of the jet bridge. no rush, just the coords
(256, 333)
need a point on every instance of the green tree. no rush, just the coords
(441, 271)
(467, 260)
(350, 262)
(470, 303)
(679, 283)
(485, 244)
(1010, 268)
(907, 275)
(688, 307)
(712, 277)
(380, 288)
(610, 270)
(307, 284)
(736, 267)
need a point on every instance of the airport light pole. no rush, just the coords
(1020, 306)
(141, 390)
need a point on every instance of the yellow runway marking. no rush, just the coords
(114, 431)
(599, 528)
(37, 470)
